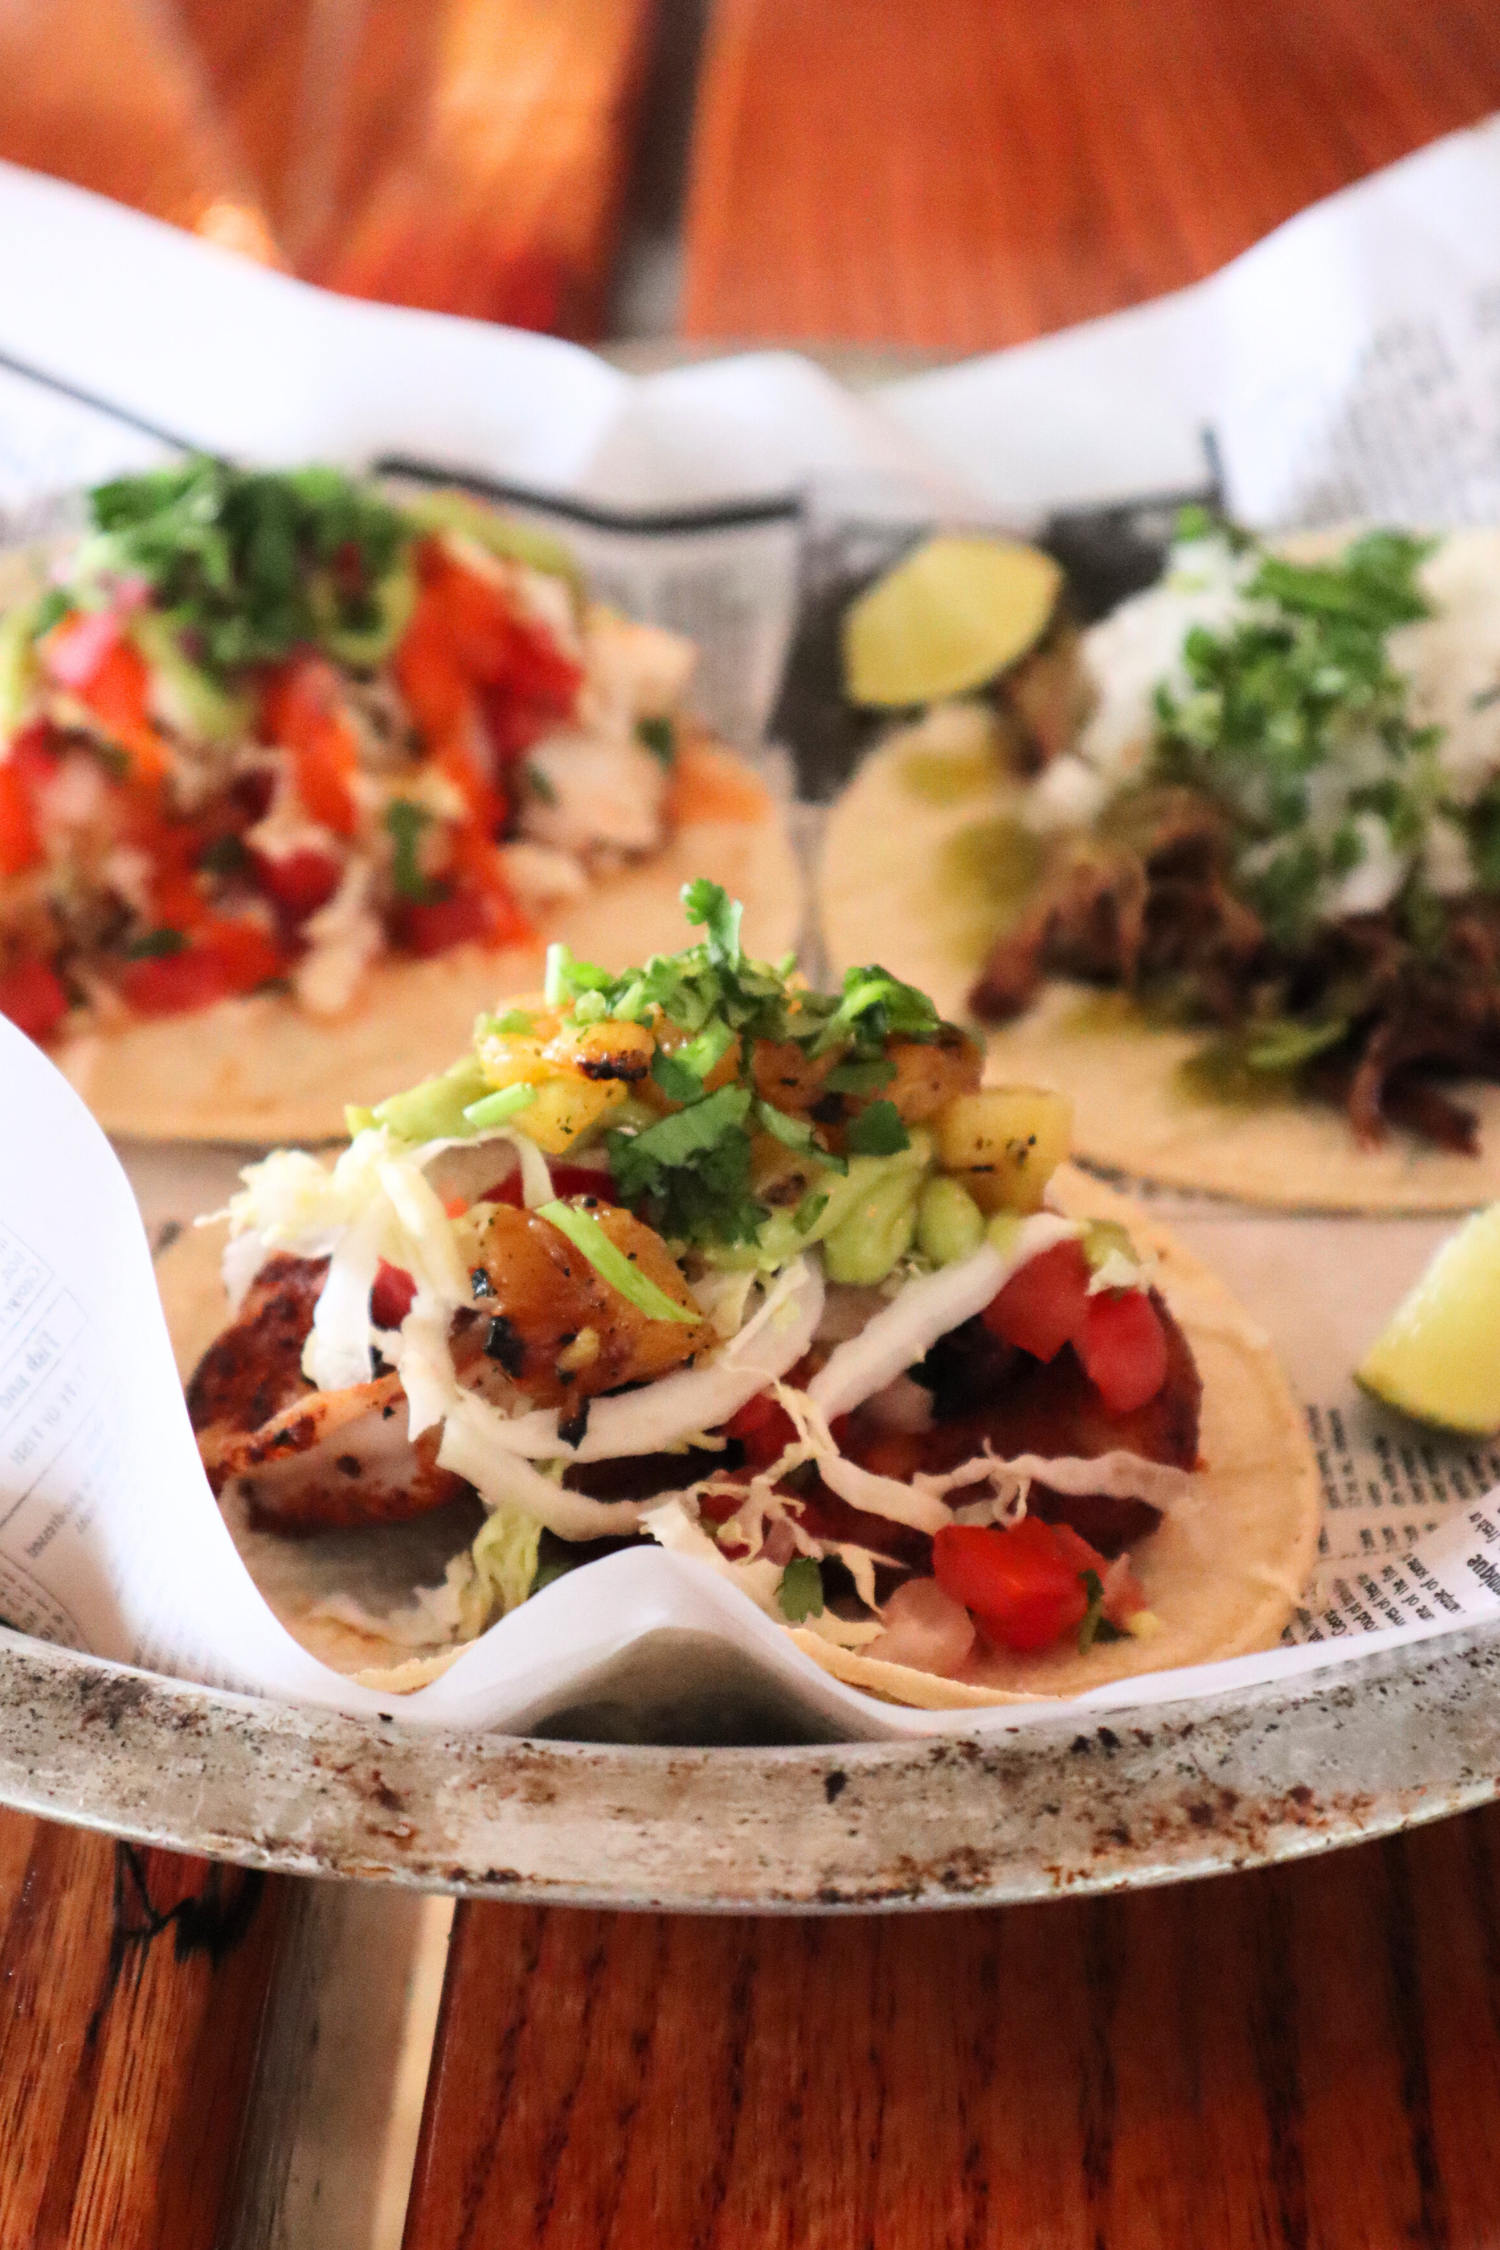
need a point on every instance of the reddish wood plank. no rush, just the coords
(134, 1986)
(504, 142)
(1303, 2055)
(961, 178)
(108, 93)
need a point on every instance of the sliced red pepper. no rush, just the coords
(20, 841)
(118, 694)
(301, 711)
(32, 996)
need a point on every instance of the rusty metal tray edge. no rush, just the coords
(1080, 1802)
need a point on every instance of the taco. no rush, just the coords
(694, 1254)
(1249, 916)
(297, 773)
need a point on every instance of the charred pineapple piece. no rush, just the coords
(1004, 1144)
(553, 1323)
(577, 1072)
(931, 1074)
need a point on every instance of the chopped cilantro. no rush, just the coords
(52, 608)
(800, 1591)
(659, 737)
(224, 856)
(406, 821)
(690, 1172)
(809, 1211)
(250, 564)
(540, 784)
(156, 945)
(1284, 1045)
(861, 1077)
(1299, 676)
(877, 1131)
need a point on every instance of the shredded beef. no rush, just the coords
(1146, 902)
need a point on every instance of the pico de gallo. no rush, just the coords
(265, 728)
(695, 1254)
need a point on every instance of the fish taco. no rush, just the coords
(297, 772)
(1243, 902)
(691, 1253)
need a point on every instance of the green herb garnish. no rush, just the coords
(877, 1131)
(406, 822)
(800, 1591)
(156, 945)
(612, 1265)
(250, 565)
(1302, 680)
(659, 737)
(1096, 1626)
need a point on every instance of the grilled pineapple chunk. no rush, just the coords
(1004, 1143)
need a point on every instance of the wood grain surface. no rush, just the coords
(109, 93)
(466, 155)
(134, 1983)
(958, 178)
(487, 144)
(1304, 2055)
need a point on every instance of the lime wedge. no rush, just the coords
(1439, 1358)
(946, 619)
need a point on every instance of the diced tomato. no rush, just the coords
(763, 1428)
(33, 998)
(302, 712)
(20, 844)
(225, 957)
(1043, 1306)
(299, 881)
(1123, 1347)
(431, 926)
(392, 1296)
(1023, 1587)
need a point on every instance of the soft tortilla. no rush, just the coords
(259, 1069)
(902, 883)
(1223, 1571)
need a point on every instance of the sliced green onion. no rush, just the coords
(611, 1264)
(493, 1109)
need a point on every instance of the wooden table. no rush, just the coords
(964, 176)
(1302, 2056)
(467, 155)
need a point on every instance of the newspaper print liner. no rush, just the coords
(1223, 1571)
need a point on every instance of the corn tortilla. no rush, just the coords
(1223, 1571)
(261, 1069)
(902, 882)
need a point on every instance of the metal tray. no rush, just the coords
(1064, 1804)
